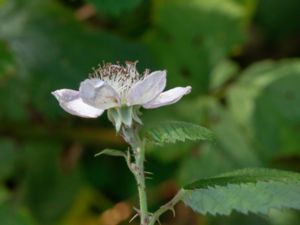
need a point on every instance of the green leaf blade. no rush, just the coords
(247, 190)
(173, 131)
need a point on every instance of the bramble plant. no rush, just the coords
(122, 91)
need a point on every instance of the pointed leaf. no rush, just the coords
(247, 190)
(173, 131)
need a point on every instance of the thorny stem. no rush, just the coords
(168, 206)
(131, 136)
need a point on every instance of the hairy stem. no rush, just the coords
(140, 179)
(131, 136)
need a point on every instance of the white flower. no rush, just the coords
(116, 87)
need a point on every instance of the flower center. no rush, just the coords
(121, 78)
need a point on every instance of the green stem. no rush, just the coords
(140, 179)
(168, 206)
(131, 136)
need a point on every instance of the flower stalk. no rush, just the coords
(140, 179)
(131, 136)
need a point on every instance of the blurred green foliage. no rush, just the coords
(236, 54)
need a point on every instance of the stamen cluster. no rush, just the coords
(121, 78)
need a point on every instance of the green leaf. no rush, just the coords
(111, 152)
(173, 131)
(246, 190)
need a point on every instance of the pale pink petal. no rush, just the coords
(71, 102)
(168, 97)
(99, 94)
(147, 89)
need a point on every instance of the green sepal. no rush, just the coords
(114, 117)
(126, 115)
(136, 113)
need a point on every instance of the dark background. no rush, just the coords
(240, 57)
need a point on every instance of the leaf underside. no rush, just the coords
(173, 131)
(247, 190)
